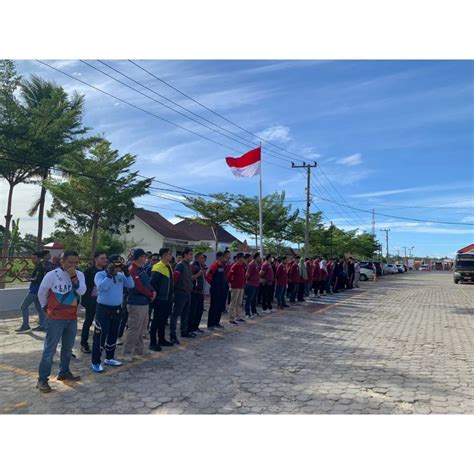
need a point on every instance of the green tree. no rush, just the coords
(277, 218)
(59, 118)
(202, 247)
(17, 138)
(98, 191)
(210, 213)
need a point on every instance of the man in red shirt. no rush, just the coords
(293, 278)
(252, 282)
(281, 280)
(316, 277)
(236, 279)
(218, 283)
(267, 276)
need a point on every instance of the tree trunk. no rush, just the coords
(95, 228)
(8, 219)
(6, 234)
(39, 237)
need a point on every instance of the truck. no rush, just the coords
(463, 269)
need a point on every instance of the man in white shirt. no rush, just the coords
(59, 294)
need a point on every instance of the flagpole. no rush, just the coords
(260, 211)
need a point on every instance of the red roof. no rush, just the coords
(201, 232)
(468, 249)
(164, 227)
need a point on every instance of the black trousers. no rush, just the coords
(292, 290)
(161, 312)
(301, 291)
(260, 294)
(123, 320)
(218, 299)
(89, 319)
(195, 311)
(107, 322)
(266, 297)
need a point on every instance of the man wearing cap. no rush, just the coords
(110, 284)
(139, 299)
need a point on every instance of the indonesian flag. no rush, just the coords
(247, 165)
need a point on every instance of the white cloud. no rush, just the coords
(468, 219)
(351, 160)
(433, 187)
(277, 133)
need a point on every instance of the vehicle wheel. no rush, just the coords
(456, 281)
(363, 277)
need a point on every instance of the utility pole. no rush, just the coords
(331, 239)
(373, 223)
(386, 238)
(405, 250)
(308, 167)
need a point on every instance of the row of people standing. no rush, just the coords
(165, 291)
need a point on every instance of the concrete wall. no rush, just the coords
(11, 298)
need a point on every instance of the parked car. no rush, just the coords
(366, 274)
(391, 268)
(378, 267)
(400, 267)
(385, 270)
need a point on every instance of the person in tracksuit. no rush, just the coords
(218, 293)
(162, 283)
(110, 284)
(89, 298)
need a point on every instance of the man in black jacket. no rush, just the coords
(182, 296)
(198, 270)
(162, 282)
(89, 298)
(42, 266)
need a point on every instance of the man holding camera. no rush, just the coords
(110, 284)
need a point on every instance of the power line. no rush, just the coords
(259, 138)
(201, 117)
(400, 217)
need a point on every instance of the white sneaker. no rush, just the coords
(112, 362)
(267, 311)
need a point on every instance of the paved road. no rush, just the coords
(401, 345)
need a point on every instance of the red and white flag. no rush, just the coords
(246, 165)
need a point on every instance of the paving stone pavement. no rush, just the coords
(401, 345)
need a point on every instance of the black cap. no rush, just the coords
(114, 258)
(137, 253)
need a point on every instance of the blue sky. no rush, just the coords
(396, 136)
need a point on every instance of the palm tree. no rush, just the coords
(59, 118)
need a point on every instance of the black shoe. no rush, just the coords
(44, 386)
(219, 326)
(85, 349)
(165, 343)
(155, 348)
(199, 330)
(286, 306)
(174, 340)
(68, 376)
(23, 329)
(39, 329)
(188, 335)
